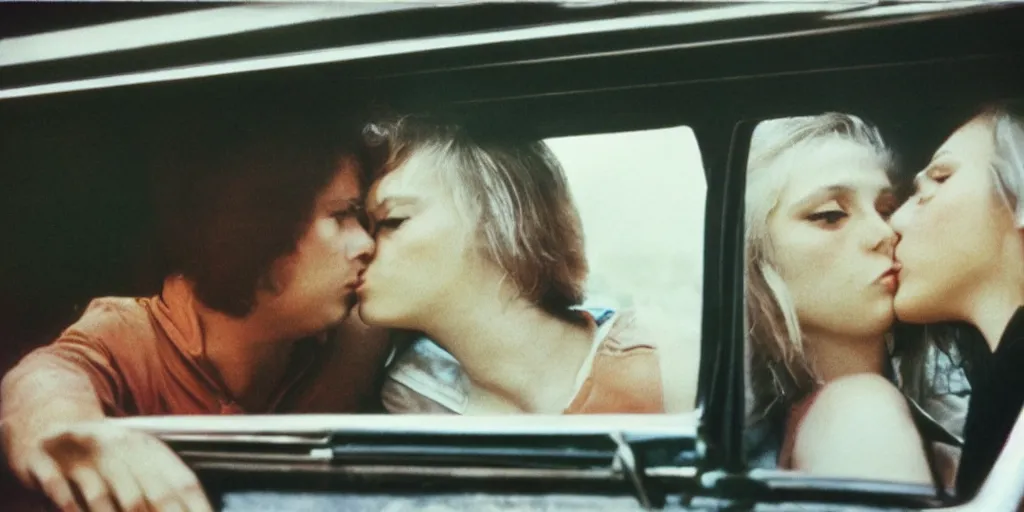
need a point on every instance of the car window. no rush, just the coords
(604, 248)
(630, 217)
(639, 197)
(643, 216)
(830, 293)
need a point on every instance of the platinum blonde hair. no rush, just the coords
(779, 364)
(517, 194)
(1008, 165)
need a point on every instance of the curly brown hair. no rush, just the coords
(237, 192)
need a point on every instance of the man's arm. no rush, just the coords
(48, 390)
(52, 406)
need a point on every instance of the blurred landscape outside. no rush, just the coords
(641, 197)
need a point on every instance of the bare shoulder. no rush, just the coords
(855, 405)
(860, 426)
(859, 393)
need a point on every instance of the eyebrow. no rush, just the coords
(350, 204)
(822, 194)
(920, 175)
(834, 191)
(941, 152)
(393, 202)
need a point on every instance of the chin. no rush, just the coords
(881, 323)
(351, 301)
(369, 314)
(910, 308)
(877, 319)
(374, 315)
(331, 319)
(910, 315)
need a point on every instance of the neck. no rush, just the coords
(991, 312)
(836, 356)
(515, 355)
(249, 357)
(997, 297)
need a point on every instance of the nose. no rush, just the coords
(360, 245)
(900, 217)
(883, 236)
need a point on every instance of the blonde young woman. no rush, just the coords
(962, 258)
(479, 248)
(820, 282)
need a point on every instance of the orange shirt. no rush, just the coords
(146, 356)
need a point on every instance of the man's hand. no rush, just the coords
(99, 466)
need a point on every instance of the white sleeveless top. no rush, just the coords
(426, 379)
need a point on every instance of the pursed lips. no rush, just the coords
(890, 278)
(893, 271)
(357, 282)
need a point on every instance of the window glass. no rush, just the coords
(641, 196)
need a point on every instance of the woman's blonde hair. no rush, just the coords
(516, 191)
(778, 360)
(1008, 165)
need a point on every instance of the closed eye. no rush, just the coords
(342, 215)
(389, 223)
(924, 185)
(829, 218)
(939, 173)
(356, 213)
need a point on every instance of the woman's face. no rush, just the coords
(833, 245)
(952, 229)
(423, 261)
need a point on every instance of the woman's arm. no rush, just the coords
(860, 426)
